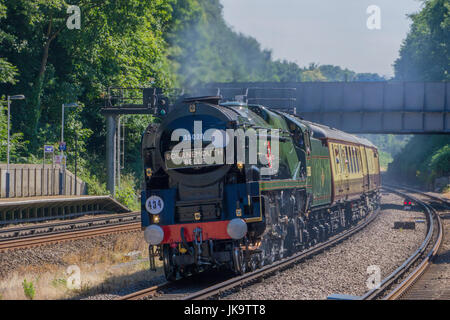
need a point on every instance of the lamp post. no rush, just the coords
(76, 158)
(63, 170)
(16, 97)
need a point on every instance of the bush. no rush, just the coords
(94, 186)
(126, 193)
(28, 289)
(439, 163)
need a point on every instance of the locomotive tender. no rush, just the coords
(238, 214)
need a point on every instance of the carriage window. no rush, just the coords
(338, 162)
(357, 159)
(347, 159)
(354, 159)
(350, 160)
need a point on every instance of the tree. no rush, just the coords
(8, 72)
(425, 53)
(424, 56)
(120, 43)
(17, 143)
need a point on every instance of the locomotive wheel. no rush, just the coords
(289, 242)
(240, 266)
(184, 272)
(169, 269)
(255, 262)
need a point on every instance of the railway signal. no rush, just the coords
(407, 204)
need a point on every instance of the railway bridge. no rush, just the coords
(357, 107)
(354, 107)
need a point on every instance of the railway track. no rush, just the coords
(46, 233)
(145, 292)
(219, 287)
(414, 278)
(179, 289)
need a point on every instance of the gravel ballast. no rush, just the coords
(344, 268)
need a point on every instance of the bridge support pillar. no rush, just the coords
(111, 132)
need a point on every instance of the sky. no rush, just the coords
(326, 31)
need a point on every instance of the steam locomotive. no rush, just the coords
(237, 186)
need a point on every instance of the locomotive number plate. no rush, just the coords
(154, 204)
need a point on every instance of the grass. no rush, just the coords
(28, 289)
(102, 270)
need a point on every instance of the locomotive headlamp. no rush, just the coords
(240, 165)
(237, 229)
(155, 218)
(154, 234)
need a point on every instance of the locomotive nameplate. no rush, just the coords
(194, 158)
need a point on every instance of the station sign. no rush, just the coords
(49, 149)
(58, 159)
(62, 146)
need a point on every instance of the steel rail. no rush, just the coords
(403, 287)
(67, 226)
(67, 236)
(279, 265)
(433, 220)
(145, 292)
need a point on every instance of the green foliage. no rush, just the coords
(385, 159)
(120, 43)
(8, 72)
(203, 48)
(61, 282)
(424, 158)
(425, 53)
(425, 56)
(126, 193)
(17, 143)
(336, 73)
(439, 164)
(94, 186)
(28, 289)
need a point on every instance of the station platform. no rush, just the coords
(45, 208)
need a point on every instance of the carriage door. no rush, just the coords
(365, 168)
(336, 168)
(347, 164)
